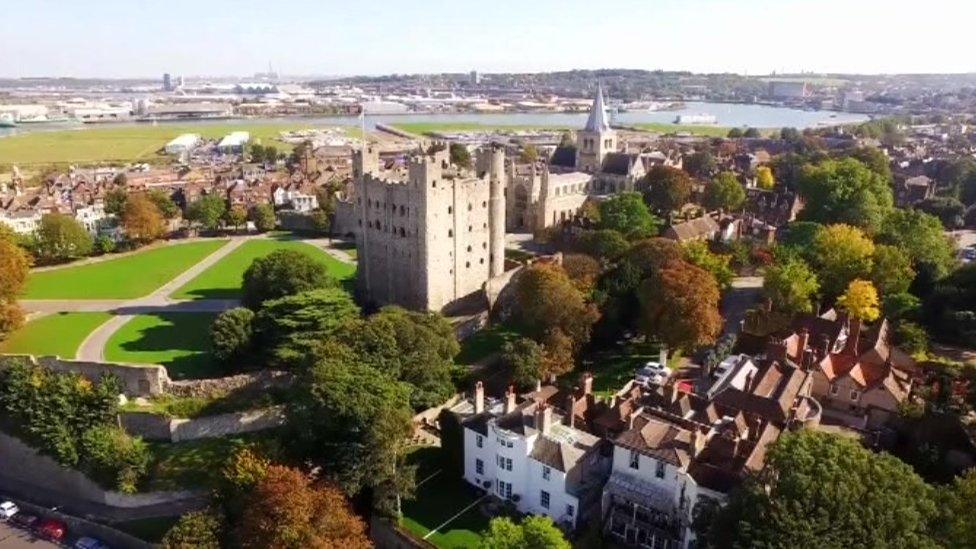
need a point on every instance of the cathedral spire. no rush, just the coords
(597, 122)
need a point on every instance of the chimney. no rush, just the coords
(674, 393)
(571, 411)
(538, 385)
(696, 442)
(804, 339)
(543, 417)
(748, 385)
(510, 399)
(479, 397)
(824, 348)
(587, 382)
(776, 349)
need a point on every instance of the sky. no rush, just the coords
(143, 38)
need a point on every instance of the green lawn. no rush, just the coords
(421, 128)
(612, 369)
(192, 407)
(485, 343)
(58, 334)
(126, 143)
(125, 277)
(707, 131)
(437, 500)
(196, 464)
(178, 341)
(223, 279)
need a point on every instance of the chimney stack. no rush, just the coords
(479, 397)
(824, 348)
(543, 417)
(538, 385)
(804, 339)
(510, 399)
(571, 411)
(696, 442)
(587, 383)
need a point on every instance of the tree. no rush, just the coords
(236, 217)
(900, 306)
(61, 238)
(164, 203)
(911, 337)
(114, 458)
(195, 530)
(351, 419)
(921, 237)
(700, 164)
(764, 178)
(627, 214)
(142, 220)
(523, 358)
(104, 244)
(460, 156)
(734, 133)
(845, 191)
(823, 490)
(287, 510)
(842, 253)
(679, 306)
(528, 154)
(791, 286)
(949, 210)
(860, 300)
(583, 270)
(604, 244)
(724, 193)
(892, 270)
(207, 210)
(263, 216)
(876, 161)
(956, 526)
(11, 317)
(282, 273)
(801, 237)
(790, 134)
(548, 299)
(231, 334)
(698, 254)
(535, 532)
(287, 327)
(751, 133)
(115, 201)
(668, 189)
(15, 265)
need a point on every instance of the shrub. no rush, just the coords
(113, 458)
(231, 333)
(282, 273)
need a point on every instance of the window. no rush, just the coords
(546, 472)
(570, 510)
(479, 467)
(450, 233)
(659, 471)
(479, 441)
(634, 459)
(504, 489)
(833, 389)
(544, 499)
(508, 464)
(449, 209)
(854, 395)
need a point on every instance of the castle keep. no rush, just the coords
(430, 236)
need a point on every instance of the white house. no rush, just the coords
(22, 222)
(524, 453)
(92, 217)
(183, 144)
(234, 142)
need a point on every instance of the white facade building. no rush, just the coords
(234, 142)
(183, 144)
(23, 222)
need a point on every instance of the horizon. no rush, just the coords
(118, 39)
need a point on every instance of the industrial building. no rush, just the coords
(234, 142)
(183, 144)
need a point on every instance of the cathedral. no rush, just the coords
(545, 193)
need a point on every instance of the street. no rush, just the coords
(14, 538)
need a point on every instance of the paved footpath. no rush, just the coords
(93, 347)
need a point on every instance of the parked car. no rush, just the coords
(24, 520)
(652, 373)
(89, 543)
(8, 509)
(51, 529)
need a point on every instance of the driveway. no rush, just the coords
(742, 296)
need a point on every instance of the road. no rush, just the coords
(13, 538)
(742, 296)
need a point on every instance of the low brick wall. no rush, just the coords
(137, 380)
(159, 427)
(25, 464)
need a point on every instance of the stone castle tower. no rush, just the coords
(432, 239)
(596, 139)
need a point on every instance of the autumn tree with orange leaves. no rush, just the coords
(679, 306)
(288, 510)
(142, 219)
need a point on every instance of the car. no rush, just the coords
(51, 529)
(24, 520)
(8, 509)
(652, 373)
(89, 543)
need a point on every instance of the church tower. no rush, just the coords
(595, 140)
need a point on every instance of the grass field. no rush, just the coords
(58, 334)
(196, 464)
(126, 143)
(178, 341)
(613, 368)
(485, 343)
(421, 128)
(707, 131)
(223, 279)
(125, 277)
(438, 499)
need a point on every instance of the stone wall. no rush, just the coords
(24, 464)
(217, 387)
(158, 427)
(137, 380)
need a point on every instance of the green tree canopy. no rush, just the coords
(208, 211)
(195, 530)
(842, 253)
(845, 191)
(891, 271)
(231, 334)
(698, 254)
(61, 237)
(604, 244)
(823, 490)
(263, 216)
(534, 532)
(668, 189)
(627, 214)
(921, 237)
(460, 156)
(286, 328)
(791, 286)
(282, 273)
(724, 192)
(700, 164)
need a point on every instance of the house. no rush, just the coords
(701, 228)
(21, 221)
(531, 453)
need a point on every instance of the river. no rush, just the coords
(727, 114)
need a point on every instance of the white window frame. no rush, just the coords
(546, 472)
(544, 499)
(659, 469)
(479, 466)
(634, 460)
(570, 510)
(479, 441)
